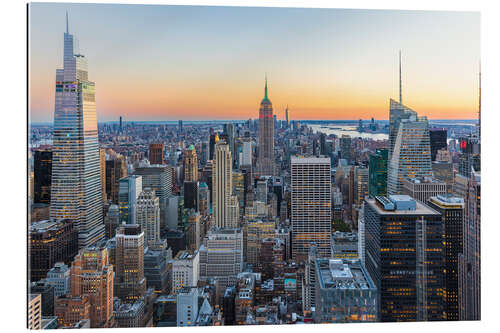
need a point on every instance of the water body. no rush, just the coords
(352, 131)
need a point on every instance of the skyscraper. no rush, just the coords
(116, 169)
(92, 278)
(404, 257)
(452, 211)
(42, 170)
(377, 170)
(286, 111)
(411, 157)
(148, 215)
(158, 178)
(438, 140)
(156, 154)
(130, 283)
(222, 185)
(76, 182)
(190, 165)
(129, 189)
(311, 205)
(345, 148)
(265, 161)
(470, 259)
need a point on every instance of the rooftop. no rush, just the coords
(342, 274)
(385, 206)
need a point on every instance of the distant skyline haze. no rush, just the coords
(167, 62)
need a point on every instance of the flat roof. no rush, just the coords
(309, 159)
(421, 209)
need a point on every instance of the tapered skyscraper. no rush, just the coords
(265, 161)
(76, 181)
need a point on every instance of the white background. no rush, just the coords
(13, 190)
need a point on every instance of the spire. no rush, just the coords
(265, 89)
(400, 84)
(67, 24)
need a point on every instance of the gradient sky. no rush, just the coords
(190, 62)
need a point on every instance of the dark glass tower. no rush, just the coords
(438, 139)
(42, 175)
(404, 256)
(377, 174)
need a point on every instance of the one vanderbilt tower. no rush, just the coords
(76, 182)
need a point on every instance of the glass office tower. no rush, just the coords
(76, 181)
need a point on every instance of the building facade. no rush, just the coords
(311, 205)
(76, 182)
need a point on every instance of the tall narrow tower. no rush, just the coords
(265, 161)
(76, 182)
(222, 185)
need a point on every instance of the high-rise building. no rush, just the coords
(377, 170)
(452, 211)
(470, 259)
(221, 256)
(404, 257)
(148, 215)
(211, 144)
(102, 168)
(204, 197)
(48, 294)
(187, 306)
(265, 160)
(411, 157)
(190, 165)
(311, 205)
(191, 194)
(42, 176)
(423, 188)
(193, 230)
(156, 153)
(76, 183)
(185, 270)
(72, 311)
(222, 185)
(345, 148)
(239, 189)
(247, 153)
(256, 231)
(438, 140)
(361, 185)
(397, 113)
(286, 115)
(156, 268)
(261, 191)
(35, 312)
(50, 242)
(229, 132)
(112, 221)
(129, 189)
(92, 278)
(345, 292)
(159, 179)
(130, 284)
(116, 169)
(59, 278)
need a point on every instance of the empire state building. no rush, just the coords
(76, 181)
(265, 160)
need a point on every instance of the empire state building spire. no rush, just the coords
(265, 161)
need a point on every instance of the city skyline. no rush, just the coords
(212, 65)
